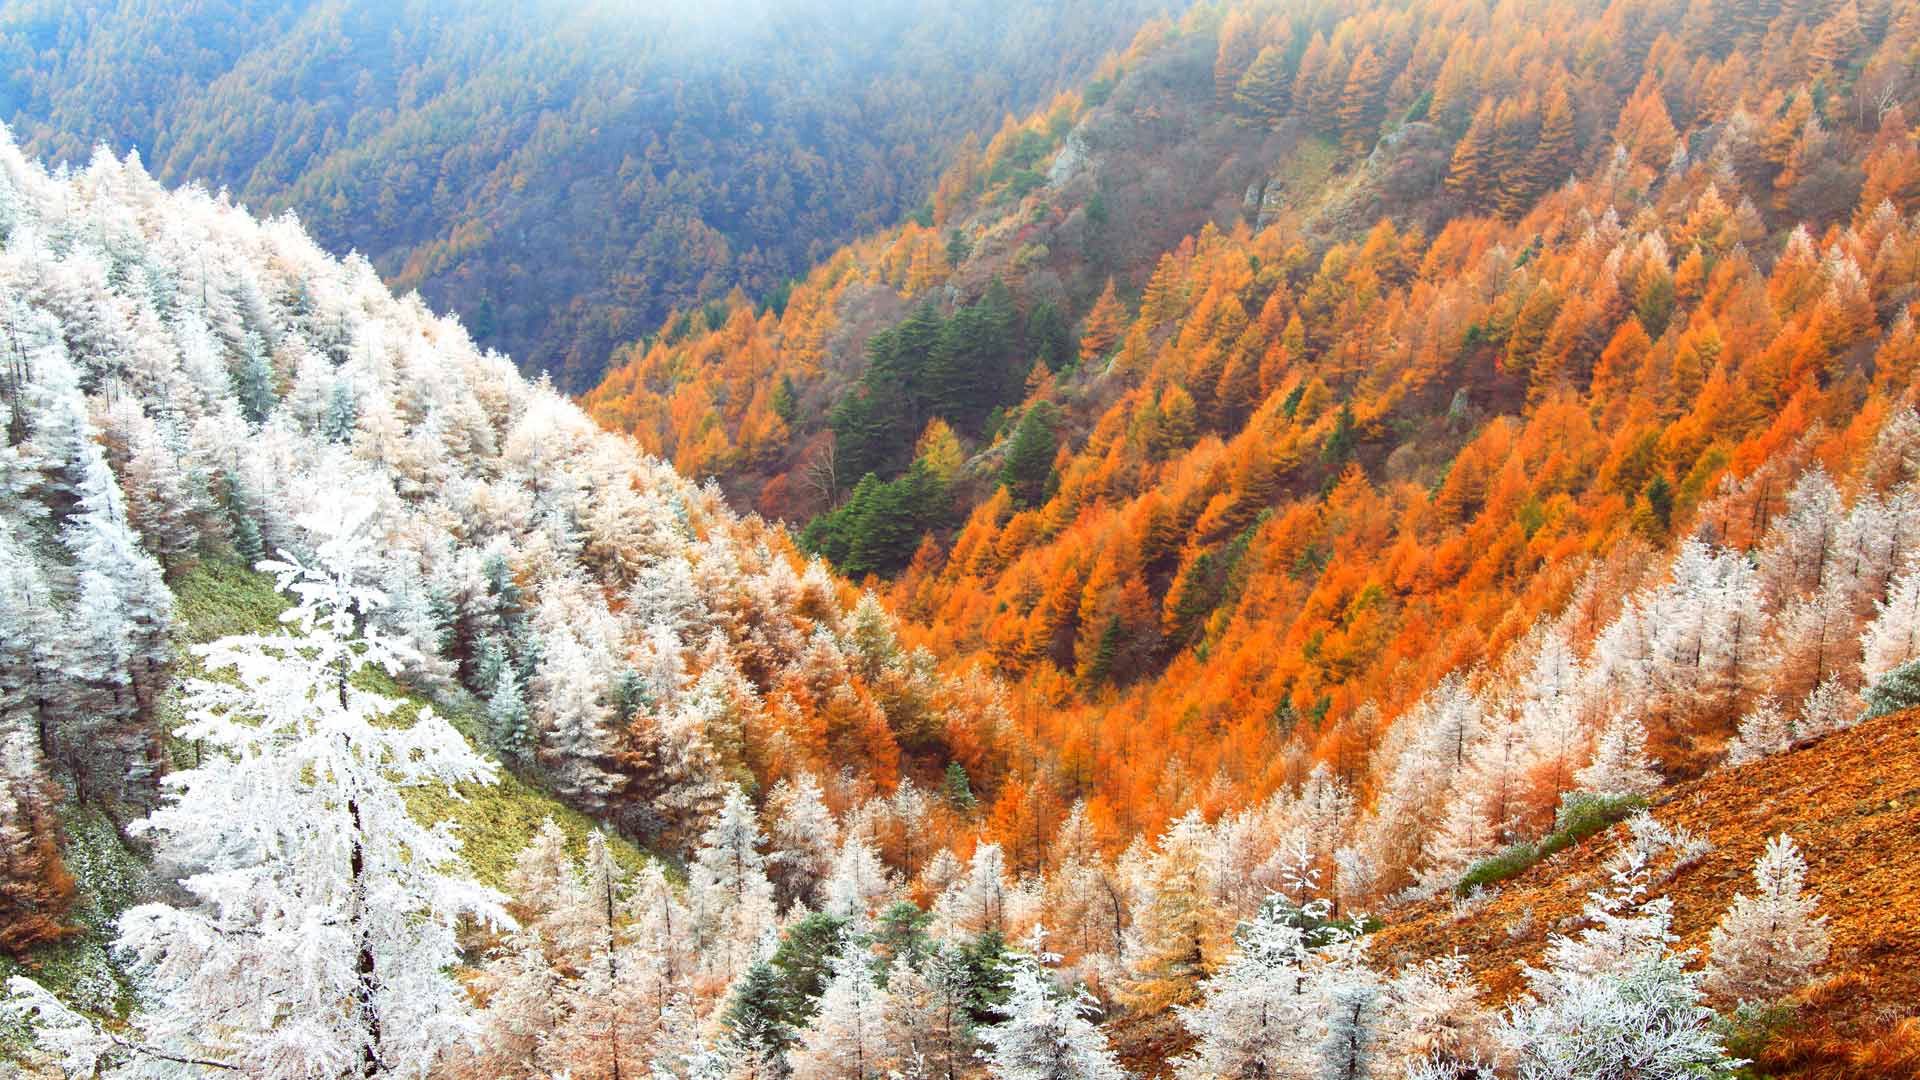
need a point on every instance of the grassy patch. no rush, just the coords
(109, 879)
(1302, 174)
(218, 598)
(494, 821)
(1579, 817)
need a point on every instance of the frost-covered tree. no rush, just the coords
(859, 883)
(1177, 924)
(732, 899)
(118, 648)
(1259, 1016)
(1048, 1034)
(508, 720)
(805, 837)
(1766, 730)
(1799, 554)
(1827, 708)
(1620, 765)
(928, 1027)
(31, 678)
(844, 1040)
(1348, 1050)
(977, 902)
(318, 935)
(524, 975)
(1896, 690)
(1435, 1019)
(1815, 639)
(606, 1024)
(1487, 810)
(35, 887)
(1617, 1000)
(1893, 637)
(577, 742)
(1770, 943)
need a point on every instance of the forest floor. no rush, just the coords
(1850, 800)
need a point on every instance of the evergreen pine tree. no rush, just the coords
(1028, 469)
(1897, 689)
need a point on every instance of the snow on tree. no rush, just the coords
(606, 1025)
(732, 899)
(1176, 922)
(664, 594)
(1872, 543)
(1620, 765)
(1549, 719)
(1827, 708)
(1799, 550)
(1617, 1000)
(859, 884)
(1769, 944)
(685, 785)
(1082, 899)
(1815, 639)
(522, 980)
(1048, 1034)
(1353, 1018)
(125, 610)
(1488, 808)
(927, 1028)
(912, 813)
(508, 720)
(312, 885)
(1260, 1014)
(806, 839)
(577, 743)
(976, 903)
(1764, 731)
(35, 887)
(1897, 689)
(1893, 637)
(1423, 758)
(845, 1037)
(1705, 630)
(661, 934)
(1435, 1019)
(165, 502)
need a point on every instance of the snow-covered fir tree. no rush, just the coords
(846, 1038)
(1049, 1033)
(1769, 943)
(1618, 999)
(320, 929)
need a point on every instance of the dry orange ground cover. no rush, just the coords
(1851, 801)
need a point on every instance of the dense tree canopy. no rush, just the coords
(563, 176)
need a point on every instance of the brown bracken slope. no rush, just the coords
(1851, 801)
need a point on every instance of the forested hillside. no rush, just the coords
(561, 175)
(1385, 547)
(1320, 458)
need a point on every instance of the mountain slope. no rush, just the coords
(622, 639)
(561, 175)
(1850, 800)
(1391, 544)
(1332, 457)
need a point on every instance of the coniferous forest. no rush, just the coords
(562, 176)
(1011, 540)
